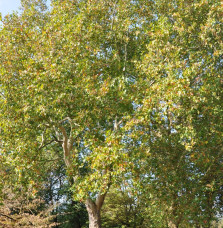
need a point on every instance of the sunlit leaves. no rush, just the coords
(136, 84)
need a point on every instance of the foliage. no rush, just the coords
(23, 210)
(121, 209)
(56, 190)
(118, 90)
(180, 112)
(56, 83)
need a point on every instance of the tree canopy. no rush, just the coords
(119, 92)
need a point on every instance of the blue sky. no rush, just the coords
(7, 6)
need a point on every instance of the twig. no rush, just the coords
(7, 217)
(70, 121)
(42, 146)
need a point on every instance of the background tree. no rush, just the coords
(21, 209)
(67, 212)
(123, 209)
(180, 112)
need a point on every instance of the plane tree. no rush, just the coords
(66, 80)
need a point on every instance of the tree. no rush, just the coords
(118, 90)
(66, 76)
(23, 210)
(180, 112)
(123, 209)
(56, 190)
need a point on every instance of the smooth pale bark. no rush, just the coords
(94, 209)
(172, 225)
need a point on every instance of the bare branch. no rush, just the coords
(113, 14)
(100, 200)
(1, 214)
(70, 121)
(65, 146)
(2, 94)
(57, 134)
(116, 123)
(70, 143)
(152, 82)
(42, 143)
(57, 140)
(46, 144)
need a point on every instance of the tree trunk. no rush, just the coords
(94, 209)
(94, 218)
(171, 224)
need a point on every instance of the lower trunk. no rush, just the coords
(94, 209)
(171, 224)
(94, 219)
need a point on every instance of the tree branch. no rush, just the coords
(57, 140)
(65, 146)
(46, 144)
(100, 200)
(116, 123)
(69, 120)
(1, 214)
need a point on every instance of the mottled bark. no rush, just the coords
(171, 224)
(94, 209)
